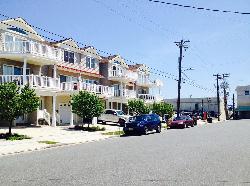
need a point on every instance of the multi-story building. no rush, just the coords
(243, 101)
(128, 81)
(57, 70)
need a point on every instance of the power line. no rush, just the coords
(200, 8)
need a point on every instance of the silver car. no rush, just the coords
(115, 116)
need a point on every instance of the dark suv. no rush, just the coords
(143, 124)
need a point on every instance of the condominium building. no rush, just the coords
(57, 70)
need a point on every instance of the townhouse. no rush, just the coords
(243, 101)
(57, 70)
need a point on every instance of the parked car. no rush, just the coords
(182, 122)
(115, 116)
(143, 124)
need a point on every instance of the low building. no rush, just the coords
(195, 104)
(243, 101)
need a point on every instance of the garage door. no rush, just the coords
(64, 112)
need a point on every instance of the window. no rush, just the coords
(69, 57)
(67, 78)
(14, 70)
(90, 62)
(246, 92)
(91, 81)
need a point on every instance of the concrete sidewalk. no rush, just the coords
(61, 134)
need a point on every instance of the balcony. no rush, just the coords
(35, 52)
(145, 82)
(148, 98)
(122, 75)
(129, 94)
(97, 89)
(34, 81)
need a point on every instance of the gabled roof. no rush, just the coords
(20, 23)
(90, 50)
(69, 42)
(139, 67)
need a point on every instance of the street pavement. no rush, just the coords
(211, 154)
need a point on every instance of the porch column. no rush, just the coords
(24, 71)
(71, 118)
(54, 72)
(54, 112)
(40, 70)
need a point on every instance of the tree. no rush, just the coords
(87, 105)
(137, 107)
(163, 108)
(16, 101)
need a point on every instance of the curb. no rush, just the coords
(54, 146)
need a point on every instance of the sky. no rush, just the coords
(144, 32)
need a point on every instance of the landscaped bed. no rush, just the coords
(14, 136)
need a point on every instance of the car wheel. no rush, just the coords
(145, 130)
(183, 126)
(158, 130)
(103, 122)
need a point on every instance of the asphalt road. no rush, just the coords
(215, 154)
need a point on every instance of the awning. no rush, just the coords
(243, 108)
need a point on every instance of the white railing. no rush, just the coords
(132, 76)
(144, 81)
(35, 48)
(97, 89)
(125, 93)
(149, 97)
(35, 81)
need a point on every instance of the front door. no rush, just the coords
(64, 112)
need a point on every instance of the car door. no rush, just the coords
(113, 117)
(149, 122)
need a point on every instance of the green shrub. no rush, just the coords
(16, 136)
(90, 129)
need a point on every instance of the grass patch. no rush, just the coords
(90, 129)
(48, 142)
(116, 133)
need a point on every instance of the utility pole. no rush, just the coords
(225, 86)
(218, 76)
(233, 108)
(181, 45)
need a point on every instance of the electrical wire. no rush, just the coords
(200, 8)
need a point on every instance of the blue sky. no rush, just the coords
(145, 32)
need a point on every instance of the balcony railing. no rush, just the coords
(125, 74)
(97, 89)
(35, 48)
(149, 97)
(34, 81)
(144, 82)
(125, 93)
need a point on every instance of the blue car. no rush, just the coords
(143, 124)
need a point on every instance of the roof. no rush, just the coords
(22, 24)
(135, 67)
(107, 59)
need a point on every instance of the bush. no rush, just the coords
(90, 129)
(14, 136)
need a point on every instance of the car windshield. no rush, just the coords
(180, 118)
(139, 118)
(119, 112)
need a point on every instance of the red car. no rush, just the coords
(182, 122)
